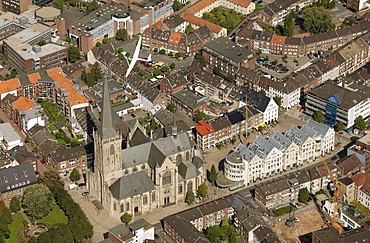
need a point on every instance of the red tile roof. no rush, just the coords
(204, 128)
(23, 103)
(9, 85)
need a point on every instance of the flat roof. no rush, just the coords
(229, 49)
(27, 52)
(47, 12)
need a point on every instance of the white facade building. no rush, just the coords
(9, 137)
(266, 157)
(30, 118)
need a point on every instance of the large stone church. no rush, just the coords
(143, 177)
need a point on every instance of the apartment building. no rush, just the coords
(14, 180)
(339, 104)
(220, 129)
(275, 12)
(283, 191)
(348, 188)
(266, 157)
(228, 57)
(187, 44)
(22, 52)
(192, 221)
(361, 149)
(9, 138)
(173, 83)
(331, 234)
(300, 46)
(15, 6)
(288, 90)
(138, 231)
(356, 4)
(189, 102)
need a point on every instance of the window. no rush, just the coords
(126, 172)
(190, 186)
(187, 156)
(111, 149)
(114, 207)
(122, 208)
(180, 188)
(134, 169)
(127, 206)
(178, 159)
(153, 197)
(145, 199)
(166, 178)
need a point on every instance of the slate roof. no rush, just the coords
(256, 99)
(330, 234)
(220, 123)
(16, 177)
(347, 98)
(277, 6)
(346, 181)
(131, 185)
(64, 153)
(187, 171)
(249, 218)
(266, 235)
(174, 21)
(190, 99)
(348, 164)
(275, 187)
(138, 138)
(22, 155)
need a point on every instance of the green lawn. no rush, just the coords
(15, 227)
(56, 216)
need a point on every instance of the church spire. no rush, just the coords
(106, 129)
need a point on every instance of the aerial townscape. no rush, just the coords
(185, 121)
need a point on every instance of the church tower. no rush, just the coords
(107, 149)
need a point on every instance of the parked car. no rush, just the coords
(156, 236)
(81, 184)
(85, 193)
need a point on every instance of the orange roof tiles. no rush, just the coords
(200, 5)
(361, 179)
(278, 39)
(242, 3)
(33, 77)
(9, 85)
(201, 22)
(175, 38)
(204, 128)
(158, 25)
(23, 103)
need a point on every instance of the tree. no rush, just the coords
(200, 58)
(127, 54)
(319, 116)
(38, 201)
(90, 79)
(96, 71)
(142, 73)
(92, 6)
(83, 75)
(202, 190)
(262, 91)
(156, 72)
(278, 99)
(162, 51)
(98, 43)
(317, 20)
(172, 65)
(5, 219)
(360, 123)
(170, 54)
(59, 4)
(171, 107)
(73, 54)
(289, 25)
(51, 179)
(68, 39)
(189, 29)
(122, 34)
(75, 175)
(189, 196)
(136, 69)
(15, 205)
(155, 50)
(339, 126)
(126, 218)
(199, 115)
(217, 70)
(41, 42)
(120, 50)
(303, 195)
(177, 5)
(212, 175)
(178, 55)
(105, 41)
(165, 69)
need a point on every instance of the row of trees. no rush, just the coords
(201, 192)
(360, 122)
(78, 228)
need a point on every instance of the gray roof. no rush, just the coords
(9, 133)
(237, 202)
(17, 177)
(190, 99)
(106, 129)
(330, 234)
(64, 153)
(261, 147)
(187, 171)
(296, 135)
(249, 218)
(275, 187)
(138, 138)
(137, 155)
(256, 99)
(282, 140)
(278, 6)
(346, 98)
(319, 127)
(266, 235)
(228, 49)
(131, 185)
(174, 21)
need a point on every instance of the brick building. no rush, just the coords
(14, 180)
(362, 150)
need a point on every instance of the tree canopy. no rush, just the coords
(360, 123)
(75, 175)
(212, 174)
(289, 25)
(278, 99)
(319, 116)
(317, 20)
(5, 218)
(122, 34)
(38, 201)
(126, 218)
(199, 115)
(41, 42)
(171, 107)
(339, 126)
(73, 54)
(202, 190)
(221, 233)
(15, 205)
(177, 5)
(303, 195)
(189, 196)
(189, 29)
